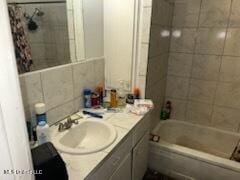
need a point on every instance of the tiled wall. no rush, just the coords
(203, 79)
(49, 43)
(60, 88)
(158, 54)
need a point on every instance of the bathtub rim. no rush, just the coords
(195, 154)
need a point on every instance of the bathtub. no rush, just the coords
(194, 152)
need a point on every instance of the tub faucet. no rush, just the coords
(67, 125)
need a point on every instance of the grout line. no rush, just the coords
(193, 54)
(222, 55)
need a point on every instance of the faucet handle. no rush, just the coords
(61, 127)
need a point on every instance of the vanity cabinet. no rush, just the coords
(140, 158)
(128, 161)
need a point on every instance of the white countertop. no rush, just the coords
(80, 166)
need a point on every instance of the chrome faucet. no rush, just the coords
(67, 125)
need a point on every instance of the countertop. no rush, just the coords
(80, 166)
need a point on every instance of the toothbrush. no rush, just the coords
(92, 114)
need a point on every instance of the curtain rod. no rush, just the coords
(36, 2)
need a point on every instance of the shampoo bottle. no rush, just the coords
(42, 132)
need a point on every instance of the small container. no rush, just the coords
(40, 110)
(87, 98)
(95, 101)
(42, 132)
(130, 99)
(99, 90)
(136, 93)
(113, 98)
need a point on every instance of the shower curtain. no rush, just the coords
(22, 48)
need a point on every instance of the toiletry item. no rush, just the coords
(163, 114)
(29, 130)
(92, 114)
(87, 98)
(42, 132)
(130, 99)
(95, 101)
(99, 90)
(40, 110)
(121, 94)
(34, 133)
(136, 93)
(168, 109)
(113, 98)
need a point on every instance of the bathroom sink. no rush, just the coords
(87, 137)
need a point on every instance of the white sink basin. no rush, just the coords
(87, 137)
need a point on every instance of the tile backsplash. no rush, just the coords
(60, 88)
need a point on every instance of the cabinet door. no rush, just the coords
(124, 170)
(140, 158)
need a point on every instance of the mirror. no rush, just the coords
(49, 33)
(40, 34)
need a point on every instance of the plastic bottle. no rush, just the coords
(87, 98)
(40, 110)
(121, 94)
(113, 98)
(42, 132)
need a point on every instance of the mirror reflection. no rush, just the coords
(40, 34)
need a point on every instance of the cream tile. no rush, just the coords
(83, 77)
(186, 14)
(210, 41)
(206, 67)
(179, 64)
(157, 67)
(178, 109)
(78, 103)
(162, 12)
(232, 44)
(31, 89)
(60, 112)
(177, 87)
(156, 91)
(57, 86)
(72, 50)
(228, 94)
(214, 13)
(202, 91)
(230, 69)
(235, 14)
(146, 24)
(183, 40)
(226, 118)
(143, 60)
(199, 113)
(159, 40)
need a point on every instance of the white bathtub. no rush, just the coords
(189, 151)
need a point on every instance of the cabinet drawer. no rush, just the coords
(141, 129)
(105, 171)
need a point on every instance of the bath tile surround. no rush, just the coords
(203, 79)
(158, 55)
(60, 88)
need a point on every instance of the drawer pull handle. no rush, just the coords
(116, 161)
